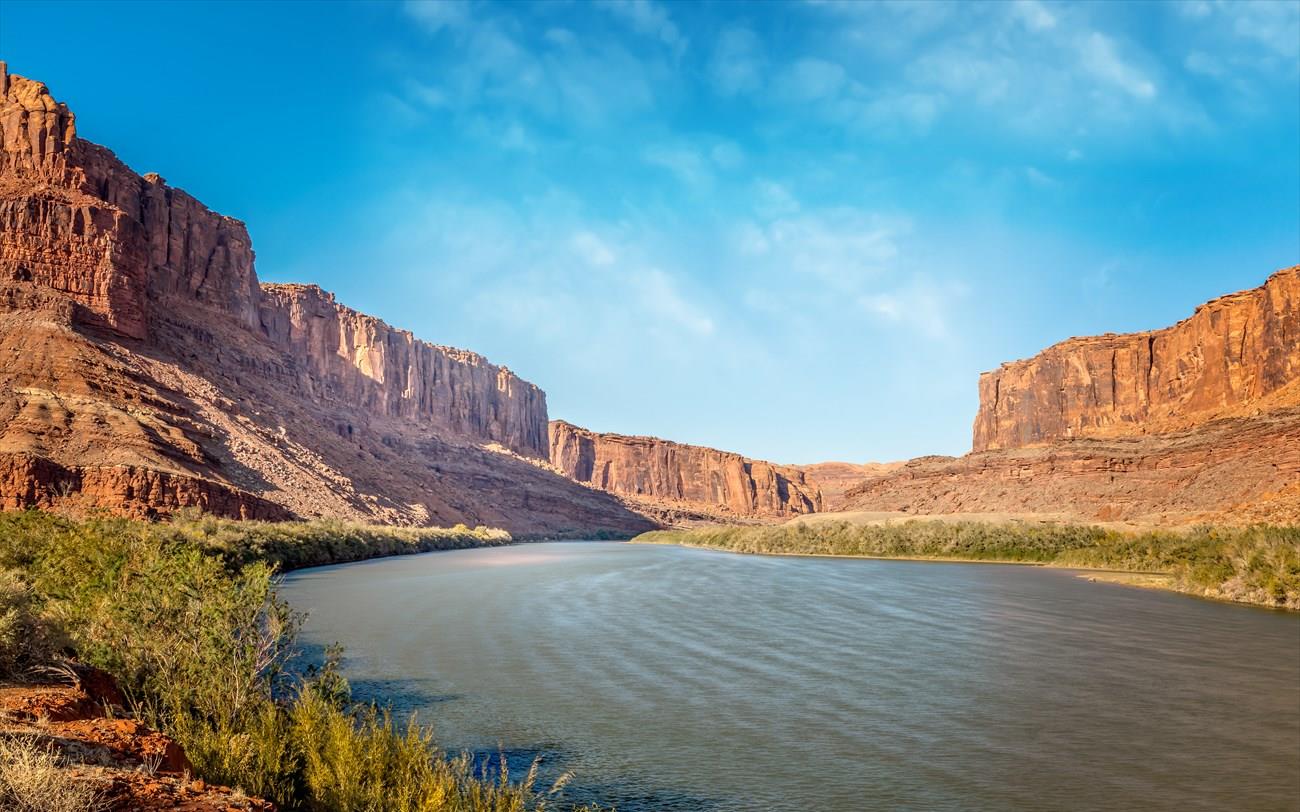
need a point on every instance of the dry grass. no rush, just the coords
(32, 780)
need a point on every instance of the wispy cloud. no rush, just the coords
(649, 18)
(736, 65)
(686, 164)
(1100, 57)
(487, 60)
(920, 304)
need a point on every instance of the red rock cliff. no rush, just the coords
(131, 251)
(658, 469)
(359, 359)
(144, 369)
(1234, 353)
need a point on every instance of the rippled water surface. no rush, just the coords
(679, 679)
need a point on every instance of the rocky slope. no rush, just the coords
(648, 468)
(145, 368)
(121, 764)
(1199, 421)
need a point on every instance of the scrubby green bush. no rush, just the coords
(186, 618)
(26, 639)
(1257, 564)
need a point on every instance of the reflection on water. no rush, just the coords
(677, 679)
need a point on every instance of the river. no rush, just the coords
(668, 678)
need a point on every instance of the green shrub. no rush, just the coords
(186, 618)
(1257, 564)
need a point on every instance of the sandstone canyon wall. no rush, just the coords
(1233, 352)
(147, 369)
(652, 469)
(835, 479)
(1198, 421)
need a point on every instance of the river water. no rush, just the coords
(668, 678)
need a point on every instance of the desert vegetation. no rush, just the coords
(1257, 564)
(185, 617)
(33, 780)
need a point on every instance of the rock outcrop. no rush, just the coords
(1196, 422)
(653, 469)
(114, 759)
(1236, 352)
(145, 368)
(835, 479)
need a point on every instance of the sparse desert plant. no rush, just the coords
(31, 780)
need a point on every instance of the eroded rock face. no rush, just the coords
(1236, 352)
(1196, 422)
(361, 360)
(660, 469)
(146, 369)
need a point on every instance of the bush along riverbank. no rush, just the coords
(185, 617)
(1258, 564)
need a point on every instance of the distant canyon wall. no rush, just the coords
(1233, 352)
(1199, 421)
(647, 467)
(835, 479)
(130, 251)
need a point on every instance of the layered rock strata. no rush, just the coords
(1234, 352)
(650, 468)
(835, 479)
(145, 368)
(1196, 422)
(1232, 470)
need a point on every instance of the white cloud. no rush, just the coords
(840, 247)
(541, 271)
(649, 18)
(686, 164)
(773, 200)
(921, 304)
(490, 65)
(1274, 24)
(1040, 178)
(809, 80)
(736, 65)
(592, 249)
(1204, 64)
(437, 15)
(748, 239)
(905, 112)
(727, 155)
(1101, 58)
(660, 293)
(1033, 14)
(1194, 8)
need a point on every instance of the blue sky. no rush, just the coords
(797, 231)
